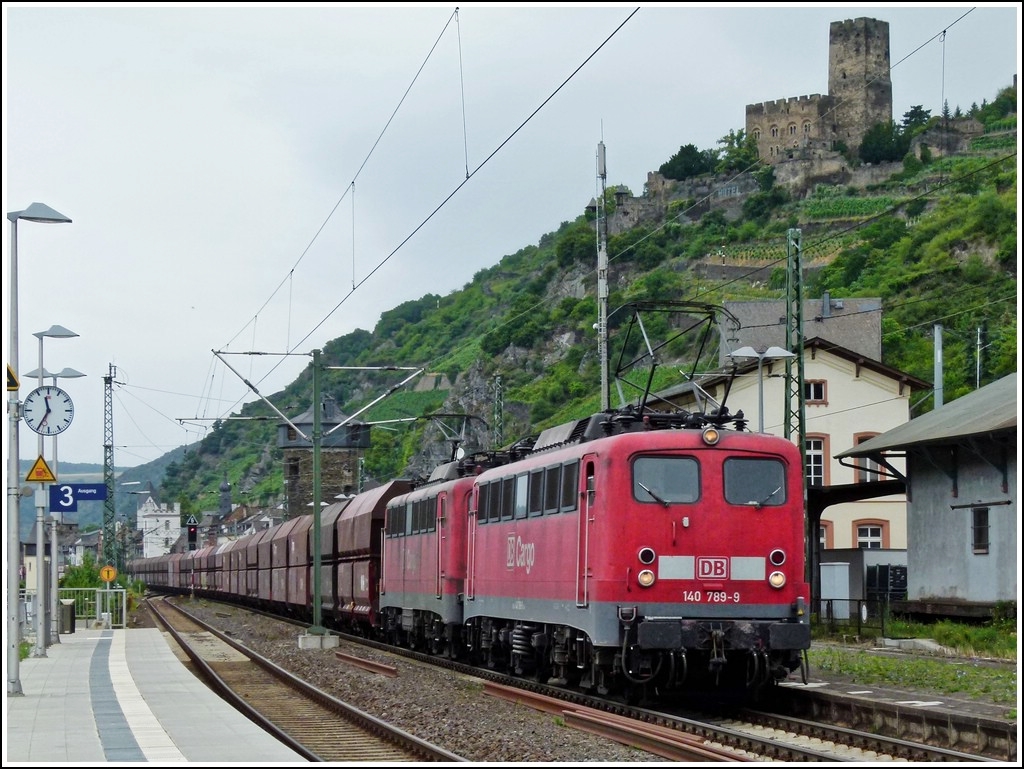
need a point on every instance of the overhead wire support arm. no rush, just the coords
(372, 403)
(262, 397)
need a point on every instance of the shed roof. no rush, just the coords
(993, 408)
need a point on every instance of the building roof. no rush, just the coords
(853, 323)
(811, 347)
(991, 409)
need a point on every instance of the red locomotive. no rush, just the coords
(631, 552)
(615, 553)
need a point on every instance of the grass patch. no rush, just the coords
(963, 678)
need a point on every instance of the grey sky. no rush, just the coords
(207, 155)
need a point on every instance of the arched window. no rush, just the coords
(807, 129)
(871, 534)
(867, 470)
(792, 129)
(775, 131)
(757, 134)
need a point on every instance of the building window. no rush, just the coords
(775, 131)
(979, 530)
(167, 525)
(815, 392)
(807, 129)
(815, 468)
(757, 134)
(871, 535)
(868, 470)
(825, 535)
(792, 129)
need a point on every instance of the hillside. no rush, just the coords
(935, 236)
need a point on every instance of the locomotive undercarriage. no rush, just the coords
(655, 658)
(422, 631)
(707, 655)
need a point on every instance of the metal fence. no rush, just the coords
(853, 617)
(93, 607)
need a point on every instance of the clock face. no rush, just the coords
(48, 410)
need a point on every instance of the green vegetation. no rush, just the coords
(967, 674)
(938, 226)
(953, 676)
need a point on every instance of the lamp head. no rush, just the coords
(38, 212)
(55, 332)
(744, 352)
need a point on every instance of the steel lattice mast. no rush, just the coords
(109, 507)
(795, 411)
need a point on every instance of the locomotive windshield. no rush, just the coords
(757, 482)
(662, 480)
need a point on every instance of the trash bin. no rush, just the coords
(67, 616)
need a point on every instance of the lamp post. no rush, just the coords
(37, 212)
(43, 605)
(65, 373)
(772, 353)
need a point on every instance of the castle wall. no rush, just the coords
(784, 125)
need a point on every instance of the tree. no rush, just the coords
(689, 162)
(916, 119)
(739, 152)
(884, 142)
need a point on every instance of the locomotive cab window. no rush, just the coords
(661, 480)
(757, 482)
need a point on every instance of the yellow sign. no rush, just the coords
(12, 379)
(108, 573)
(41, 473)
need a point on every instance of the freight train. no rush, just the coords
(631, 553)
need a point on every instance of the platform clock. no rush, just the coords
(48, 410)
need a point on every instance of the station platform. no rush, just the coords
(104, 695)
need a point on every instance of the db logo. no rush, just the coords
(712, 568)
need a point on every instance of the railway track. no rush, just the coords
(745, 735)
(742, 735)
(311, 722)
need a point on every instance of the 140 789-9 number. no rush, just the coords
(710, 596)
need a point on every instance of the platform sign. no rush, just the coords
(108, 573)
(64, 497)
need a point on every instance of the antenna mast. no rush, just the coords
(602, 276)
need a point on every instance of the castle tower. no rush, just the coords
(859, 80)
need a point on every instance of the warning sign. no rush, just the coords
(41, 473)
(12, 379)
(108, 573)
(191, 521)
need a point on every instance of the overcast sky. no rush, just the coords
(264, 177)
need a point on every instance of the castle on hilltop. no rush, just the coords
(859, 96)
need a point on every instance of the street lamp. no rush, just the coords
(772, 353)
(42, 632)
(65, 373)
(37, 212)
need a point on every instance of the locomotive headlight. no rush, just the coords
(776, 579)
(711, 436)
(645, 578)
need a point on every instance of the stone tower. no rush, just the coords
(859, 80)
(859, 96)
